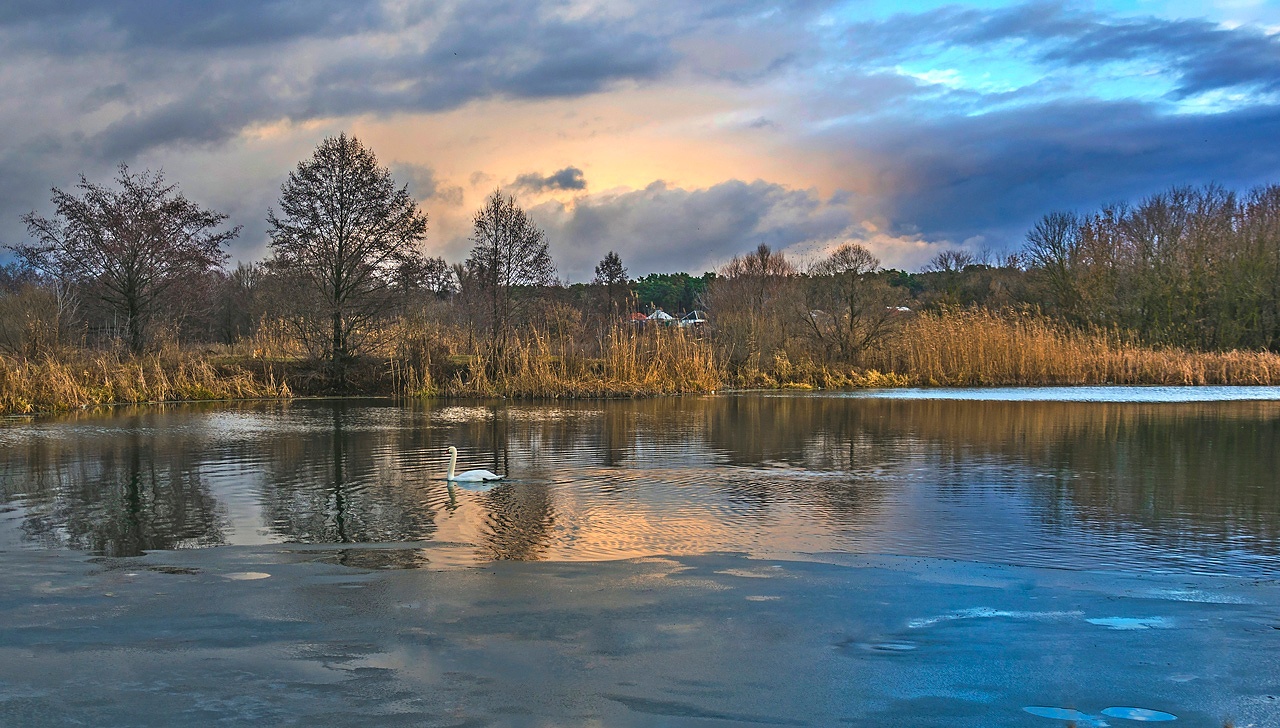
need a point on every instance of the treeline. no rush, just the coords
(122, 294)
(1190, 267)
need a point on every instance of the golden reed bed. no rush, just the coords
(958, 348)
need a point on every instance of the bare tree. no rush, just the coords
(747, 302)
(853, 310)
(432, 275)
(1053, 247)
(509, 252)
(237, 302)
(950, 261)
(128, 247)
(344, 234)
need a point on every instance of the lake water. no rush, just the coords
(1129, 479)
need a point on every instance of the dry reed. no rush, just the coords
(51, 385)
(424, 358)
(981, 347)
(806, 374)
(631, 363)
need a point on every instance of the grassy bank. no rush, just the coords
(416, 359)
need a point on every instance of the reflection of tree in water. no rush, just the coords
(1178, 471)
(350, 472)
(1182, 473)
(118, 495)
(1201, 472)
(354, 481)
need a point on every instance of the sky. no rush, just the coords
(676, 133)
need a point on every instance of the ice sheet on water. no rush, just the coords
(1132, 622)
(1075, 716)
(1139, 714)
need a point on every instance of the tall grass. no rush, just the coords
(538, 365)
(83, 379)
(804, 373)
(982, 347)
(427, 358)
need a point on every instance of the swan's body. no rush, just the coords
(471, 476)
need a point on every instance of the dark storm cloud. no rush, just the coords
(663, 228)
(90, 83)
(993, 175)
(186, 26)
(516, 50)
(201, 74)
(569, 178)
(1203, 55)
(205, 117)
(510, 50)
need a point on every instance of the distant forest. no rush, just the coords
(135, 267)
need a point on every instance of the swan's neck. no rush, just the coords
(453, 462)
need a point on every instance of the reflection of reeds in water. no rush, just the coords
(86, 379)
(1193, 470)
(981, 347)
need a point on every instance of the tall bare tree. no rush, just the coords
(344, 234)
(1053, 248)
(509, 252)
(127, 247)
(853, 310)
(748, 304)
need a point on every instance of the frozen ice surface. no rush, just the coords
(169, 639)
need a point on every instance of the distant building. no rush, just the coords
(694, 318)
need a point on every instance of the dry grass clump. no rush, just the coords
(806, 374)
(982, 347)
(630, 363)
(84, 379)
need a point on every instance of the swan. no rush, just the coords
(471, 476)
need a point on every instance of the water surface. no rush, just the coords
(1133, 479)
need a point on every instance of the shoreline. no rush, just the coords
(902, 392)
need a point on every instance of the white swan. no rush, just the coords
(471, 476)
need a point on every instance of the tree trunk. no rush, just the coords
(339, 351)
(137, 340)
